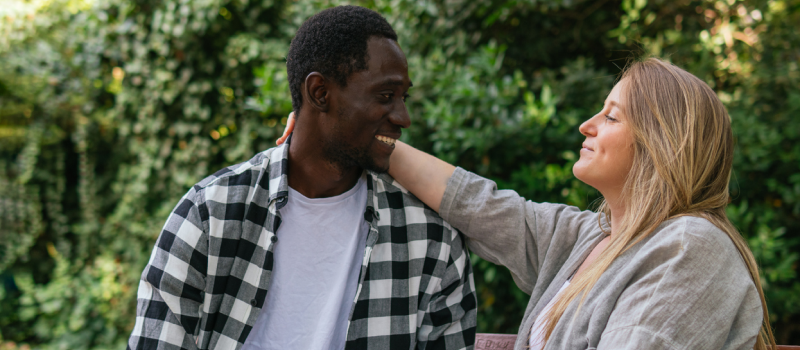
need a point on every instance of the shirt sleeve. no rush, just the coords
(694, 292)
(506, 229)
(170, 291)
(451, 318)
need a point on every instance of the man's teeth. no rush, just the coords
(387, 140)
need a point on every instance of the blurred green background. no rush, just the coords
(111, 109)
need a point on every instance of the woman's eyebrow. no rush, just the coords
(619, 106)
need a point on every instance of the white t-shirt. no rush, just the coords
(316, 267)
(536, 341)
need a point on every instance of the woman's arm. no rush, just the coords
(502, 226)
(422, 174)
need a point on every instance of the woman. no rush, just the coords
(660, 266)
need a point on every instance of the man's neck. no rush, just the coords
(311, 173)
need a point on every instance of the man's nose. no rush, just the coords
(400, 116)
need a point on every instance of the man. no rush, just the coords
(309, 245)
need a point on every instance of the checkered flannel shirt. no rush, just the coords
(209, 273)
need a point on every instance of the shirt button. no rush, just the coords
(254, 302)
(274, 239)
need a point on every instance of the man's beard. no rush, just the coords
(344, 156)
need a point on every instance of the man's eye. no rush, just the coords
(405, 97)
(387, 96)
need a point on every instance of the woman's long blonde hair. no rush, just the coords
(682, 166)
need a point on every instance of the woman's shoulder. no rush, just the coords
(692, 229)
(695, 239)
(685, 280)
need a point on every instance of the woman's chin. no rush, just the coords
(582, 173)
(579, 170)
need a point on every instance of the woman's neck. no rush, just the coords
(617, 210)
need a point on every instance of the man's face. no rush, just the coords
(370, 111)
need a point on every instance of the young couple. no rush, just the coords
(311, 245)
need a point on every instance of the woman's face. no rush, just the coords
(607, 152)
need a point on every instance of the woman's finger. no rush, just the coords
(287, 131)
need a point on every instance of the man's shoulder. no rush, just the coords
(386, 185)
(393, 196)
(243, 173)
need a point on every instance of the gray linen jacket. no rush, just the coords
(684, 286)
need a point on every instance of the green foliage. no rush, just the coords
(110, 110)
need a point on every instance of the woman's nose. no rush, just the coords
(587, 128)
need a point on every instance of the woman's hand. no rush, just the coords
(287, 131)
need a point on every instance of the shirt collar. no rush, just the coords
(279, 174)
(279, 180)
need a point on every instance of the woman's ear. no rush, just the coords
(317, 91)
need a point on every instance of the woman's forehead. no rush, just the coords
(614, 98)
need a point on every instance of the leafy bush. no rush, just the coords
(111, 110)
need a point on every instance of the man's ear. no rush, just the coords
(316, 88)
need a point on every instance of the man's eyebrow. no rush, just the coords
(395, 82)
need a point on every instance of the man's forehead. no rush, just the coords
(385, 51)
(381, 79)
(386, 65)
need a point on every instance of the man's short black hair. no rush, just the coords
(333, 43)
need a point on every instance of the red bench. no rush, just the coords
(488, 341)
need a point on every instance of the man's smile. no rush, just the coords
(385, 139)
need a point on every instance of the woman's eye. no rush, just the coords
(610, 118)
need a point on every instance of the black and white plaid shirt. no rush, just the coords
(210, 269)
